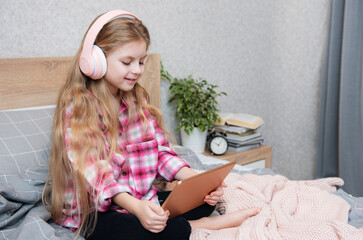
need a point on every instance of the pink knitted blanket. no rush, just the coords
(289, 209)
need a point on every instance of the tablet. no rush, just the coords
(190, 192)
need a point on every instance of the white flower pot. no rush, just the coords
(195, 140)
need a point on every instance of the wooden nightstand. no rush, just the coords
(250, 157)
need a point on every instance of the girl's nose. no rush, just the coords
(136, 68)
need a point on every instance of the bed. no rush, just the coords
(28, 91)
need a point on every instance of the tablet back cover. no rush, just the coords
(189, 193)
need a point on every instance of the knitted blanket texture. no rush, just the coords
(289, 210)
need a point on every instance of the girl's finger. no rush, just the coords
(157, 209)
(159, 227)
(214, 199)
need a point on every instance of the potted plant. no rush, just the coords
(196, 108)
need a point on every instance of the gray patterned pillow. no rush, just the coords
(24, 151)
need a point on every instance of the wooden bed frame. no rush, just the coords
(30, 82)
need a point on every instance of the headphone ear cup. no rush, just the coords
(100, 63)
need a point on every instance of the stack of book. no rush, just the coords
(241, 130)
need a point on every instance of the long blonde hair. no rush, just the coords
(90, 98)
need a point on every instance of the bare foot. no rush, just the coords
(234, 219)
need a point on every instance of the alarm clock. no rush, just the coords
(217, 144)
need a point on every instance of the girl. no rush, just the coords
(109, 145)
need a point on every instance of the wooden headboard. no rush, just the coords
(29, 82)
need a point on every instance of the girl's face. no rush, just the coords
(125, 66)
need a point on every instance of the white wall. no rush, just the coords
(265, 54)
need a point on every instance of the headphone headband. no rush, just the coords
(86, 63)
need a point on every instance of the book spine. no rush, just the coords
(243, 148)
(243, 138)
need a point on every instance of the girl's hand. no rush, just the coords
(151, 216)
(214, 196)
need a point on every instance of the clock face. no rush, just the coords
(218, 145)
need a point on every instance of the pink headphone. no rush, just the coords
(92, 61)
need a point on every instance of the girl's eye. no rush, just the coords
(141, 63)
(126, 63)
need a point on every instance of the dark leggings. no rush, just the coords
(114, 225)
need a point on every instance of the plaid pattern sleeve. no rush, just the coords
(169, 162)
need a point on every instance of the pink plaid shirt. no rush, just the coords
(146, 156)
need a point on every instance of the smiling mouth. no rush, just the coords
(130, 79)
